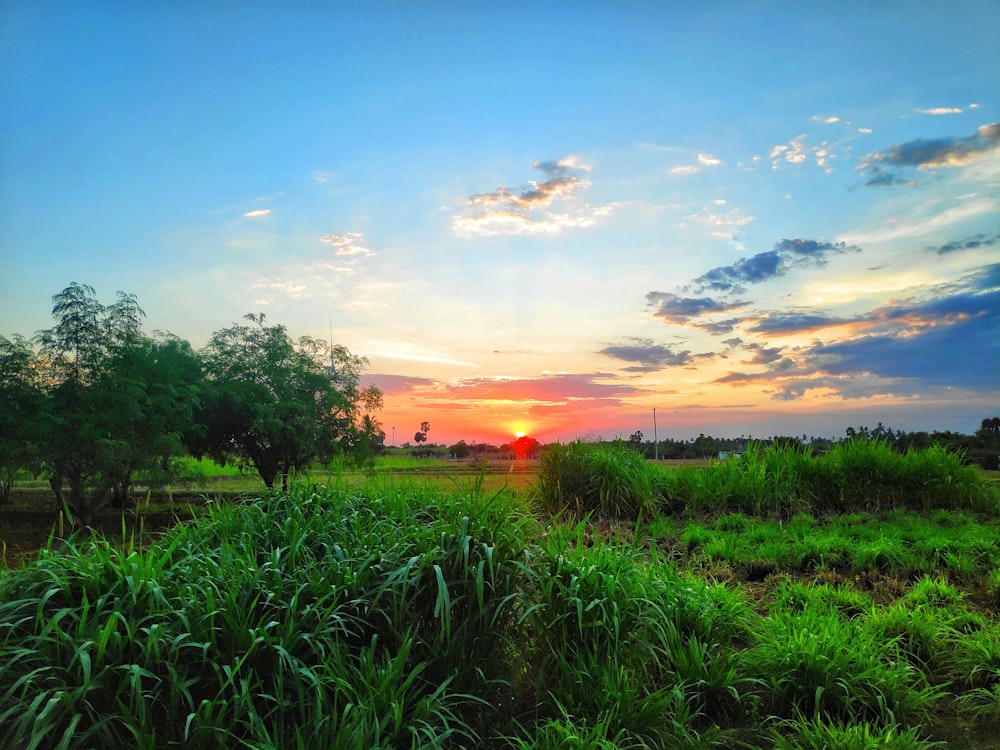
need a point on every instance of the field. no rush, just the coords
(442, 604)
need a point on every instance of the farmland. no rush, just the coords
(442, 604)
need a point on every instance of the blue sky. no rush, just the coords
(758, 218)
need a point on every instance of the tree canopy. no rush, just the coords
(278, 404)
(93, 400)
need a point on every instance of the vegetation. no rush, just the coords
(94, 402)
(379, 614)
(279, 405)
(801, 594)
(614, 481)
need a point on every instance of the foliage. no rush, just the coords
(816, 734)
(114, 401)
(372, 615)
(315, 619)
(21, 398)
(279, 405)
(855, 475)
(611, 481)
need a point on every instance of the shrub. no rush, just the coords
(605, 480)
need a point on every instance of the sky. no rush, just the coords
(557, 218)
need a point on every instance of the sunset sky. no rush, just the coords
(757, 218)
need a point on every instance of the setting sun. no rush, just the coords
(519, 434)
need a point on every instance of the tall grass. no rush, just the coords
(780, 481)
(613, 481)
(313, 619)
(375, 616)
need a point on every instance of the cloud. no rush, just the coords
(561, 388)
(793, 152)
(970, 243)
(702, 160)
(396, 384)
(947, 337)
(346, 244)
(763, 355)
(719, 223)
(529, 209)
(940, 111)
(289, 288)
(959, 348)
(257, 213)
(651, 357)
(786, 255)
(796, 152)
(789, 323)
(929, 154)
(673, 308)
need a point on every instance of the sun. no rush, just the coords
(519, 434)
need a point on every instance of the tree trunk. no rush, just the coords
(6, 483)
(55, 483)
(79, 504)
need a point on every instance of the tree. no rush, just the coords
(635, 440)
(21, 399)
(371, 428)
(460, 449)
(421, 435)
(278, 405)
(525, 447)
(113, 404)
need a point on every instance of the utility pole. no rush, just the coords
(333, 360)
(656, 442)
(394, 436)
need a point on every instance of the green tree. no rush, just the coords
(70, 423)
(460, 449)
(113, 404)
(21, 398)
(278, 405)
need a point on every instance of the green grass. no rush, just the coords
(377, 613)
(612, 481)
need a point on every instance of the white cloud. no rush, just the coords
(291, 288)
(720, 224)
(702, 159)
(540, 207)
(940, 111)
(498, 223)
(346, 244)
(826, 120)
(904, 228)
(257, 213)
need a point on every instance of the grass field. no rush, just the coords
(449, 605)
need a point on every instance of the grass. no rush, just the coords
(775, 482)
(381, 612)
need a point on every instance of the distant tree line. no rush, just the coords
(981, 448)
(93, 402)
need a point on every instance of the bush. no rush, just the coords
(604, 480)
